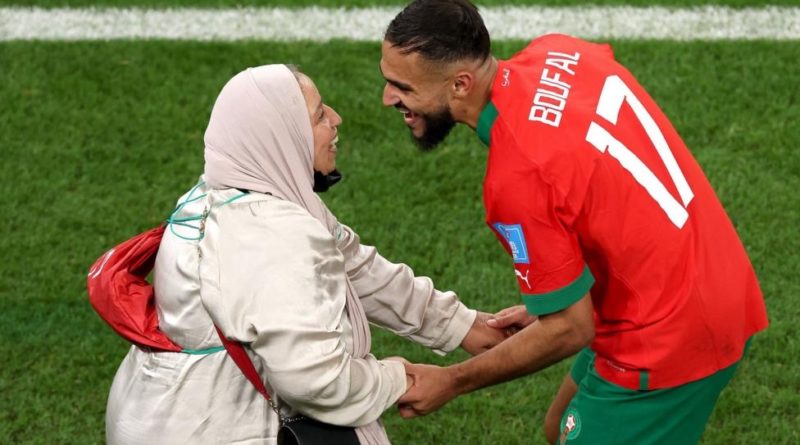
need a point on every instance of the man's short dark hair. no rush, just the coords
(440, 31)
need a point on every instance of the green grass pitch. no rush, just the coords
(99, 139)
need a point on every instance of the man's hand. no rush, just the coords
(543, 342)
(397, 358)
(512, 319)
(482, 337)
(433, 387)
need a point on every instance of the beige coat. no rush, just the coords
(271, 275)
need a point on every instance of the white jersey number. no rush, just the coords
(614, 93)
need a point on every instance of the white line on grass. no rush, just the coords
(322, 24)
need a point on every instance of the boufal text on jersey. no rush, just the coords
(551, 96)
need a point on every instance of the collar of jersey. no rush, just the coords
(485, 122)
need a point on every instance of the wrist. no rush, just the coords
(460, 379)
(458, 328)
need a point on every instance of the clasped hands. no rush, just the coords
(431, 387)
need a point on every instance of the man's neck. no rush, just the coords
(481, 96)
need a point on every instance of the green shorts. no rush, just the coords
(602, 413)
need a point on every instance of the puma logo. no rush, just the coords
(523, 277)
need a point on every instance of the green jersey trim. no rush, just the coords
(557, 300)
(644, 380)
(486, 121)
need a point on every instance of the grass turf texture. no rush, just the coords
(99, 139)
(364, 3)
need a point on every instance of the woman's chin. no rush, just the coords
(327, 169)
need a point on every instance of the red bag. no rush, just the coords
(120, 293)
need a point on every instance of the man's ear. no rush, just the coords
(463, 83)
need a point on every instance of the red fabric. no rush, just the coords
(675, 294)
(122, 296)
(119, 291)
(242, 360)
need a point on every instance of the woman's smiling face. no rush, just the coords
(324, 125)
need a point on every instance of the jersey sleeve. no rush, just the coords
(548, 264)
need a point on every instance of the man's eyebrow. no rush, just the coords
(400, 85)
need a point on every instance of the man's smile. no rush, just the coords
(409, 116)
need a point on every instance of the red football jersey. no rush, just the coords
(590, 188)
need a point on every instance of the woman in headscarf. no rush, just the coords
(252, 249)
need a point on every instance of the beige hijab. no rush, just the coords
(259, 138)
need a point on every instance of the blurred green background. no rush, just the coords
(98, 140)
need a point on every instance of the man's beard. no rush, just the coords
(437, 126)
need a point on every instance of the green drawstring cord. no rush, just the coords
(203, 351)
(172, 221)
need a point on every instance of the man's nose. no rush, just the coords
(389, 96)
